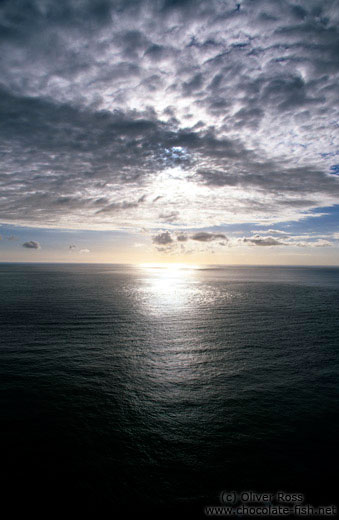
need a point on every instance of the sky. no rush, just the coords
(169, 131)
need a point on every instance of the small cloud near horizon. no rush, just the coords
(32, 244)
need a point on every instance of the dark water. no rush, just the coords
(155, 389)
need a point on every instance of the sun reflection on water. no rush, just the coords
(168, 286)
(169, 267)
(178, 303)
(166, 289)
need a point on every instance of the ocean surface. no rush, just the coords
(141, 388)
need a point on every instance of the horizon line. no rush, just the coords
(160, 264)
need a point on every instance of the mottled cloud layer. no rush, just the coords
(165, 114)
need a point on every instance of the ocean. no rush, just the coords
(147, 389)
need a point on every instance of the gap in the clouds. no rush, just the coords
(334, 169)
(320, 220)
(323, 220)
(20, 230)
(53, 239)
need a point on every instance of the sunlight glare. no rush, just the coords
(168, 285)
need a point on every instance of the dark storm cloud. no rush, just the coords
(32, 244)
(99, 99)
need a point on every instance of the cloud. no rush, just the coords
(32, 244)
(73, 247)
(205, 239)
(203, 236)
(257, 240)
(119, 206)
(275, 232)
(322, 243)
(170, 216)
(215, 112)
(163, 238)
